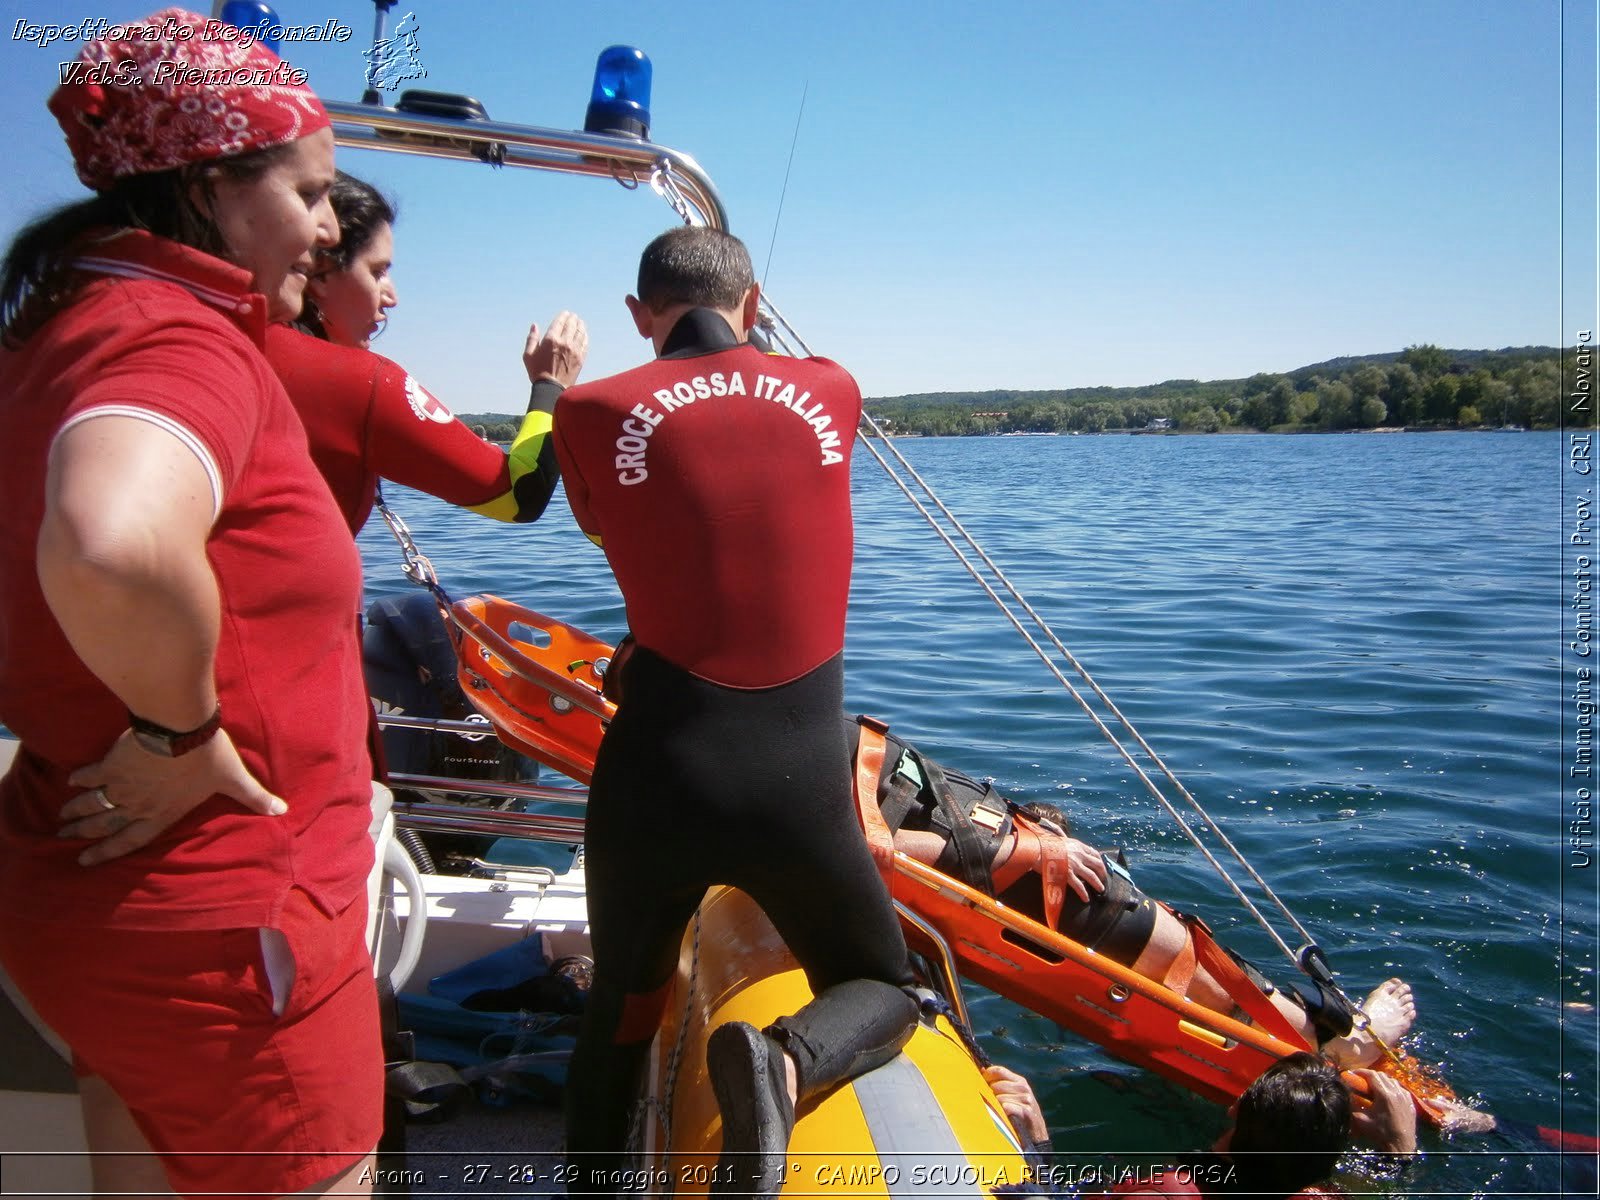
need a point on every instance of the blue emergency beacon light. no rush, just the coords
(251, 14)
(620, 101)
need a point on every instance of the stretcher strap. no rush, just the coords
(898, 800)
(869, 765)
(971, 852)
(1045, 852)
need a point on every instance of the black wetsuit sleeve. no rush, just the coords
(532, 457)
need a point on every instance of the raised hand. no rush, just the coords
(560, 353)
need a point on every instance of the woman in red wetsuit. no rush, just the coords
(367, 418)
(183, 832)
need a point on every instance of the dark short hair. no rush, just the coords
(362, 209)
(1039, 811)
(690, 265)
(1293, 1123)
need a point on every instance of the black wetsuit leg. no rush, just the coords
(697, 784)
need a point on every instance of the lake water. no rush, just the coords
(1347, 647)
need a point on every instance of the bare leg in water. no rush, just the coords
(1390, 1007)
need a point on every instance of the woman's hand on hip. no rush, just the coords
(132, 795)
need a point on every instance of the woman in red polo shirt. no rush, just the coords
(366, 417)
(183, 833)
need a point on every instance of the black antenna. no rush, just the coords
(775, 220)
(379, 24)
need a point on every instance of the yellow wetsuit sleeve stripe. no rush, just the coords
(530, 463)
(502, 508)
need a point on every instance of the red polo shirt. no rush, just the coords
(171, 335)
(366, 417)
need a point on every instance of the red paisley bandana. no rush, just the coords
(174, 89)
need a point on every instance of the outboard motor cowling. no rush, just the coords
(410, 665)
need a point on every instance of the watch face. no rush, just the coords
(154, 743)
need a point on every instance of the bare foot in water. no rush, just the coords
(1390, 1010)
(1458, 1118)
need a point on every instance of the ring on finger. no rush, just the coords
(102, 799)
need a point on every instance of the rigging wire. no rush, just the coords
(782, 332)
(795, 141)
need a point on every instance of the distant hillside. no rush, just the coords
(1418, 387)
(1463, 357)
(496, 426)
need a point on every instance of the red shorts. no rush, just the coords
(181, 1025)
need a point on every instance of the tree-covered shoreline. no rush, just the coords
(1421, 387)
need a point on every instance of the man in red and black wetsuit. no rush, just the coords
(717, 480)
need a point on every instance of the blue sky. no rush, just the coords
(1009, 194)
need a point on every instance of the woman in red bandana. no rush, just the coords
(183, 833)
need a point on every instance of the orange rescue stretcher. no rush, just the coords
(538, 681)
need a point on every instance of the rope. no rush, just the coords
(783, 194)
(675, 1059)
(669, 1082)
(933, 1005)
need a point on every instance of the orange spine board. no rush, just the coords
(536, 679)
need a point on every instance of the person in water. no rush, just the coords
(717, 480)
(183, 832)
(966, 829)
(1289, 1129)
(367, 418)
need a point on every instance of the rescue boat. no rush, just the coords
(538, 681)
(928, 1118)
(925, 1120)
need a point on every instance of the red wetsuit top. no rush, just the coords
(717, 480)
(365, 417)
(170, 335)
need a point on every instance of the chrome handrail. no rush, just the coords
(628, 161)
(453, 818)
(471, 730)
(504, 790)
(949, 978)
